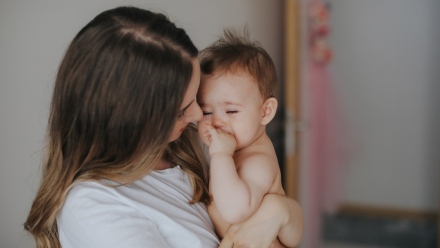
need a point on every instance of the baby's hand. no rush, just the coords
(220, 142)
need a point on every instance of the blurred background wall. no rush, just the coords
(386, 70)
(385, 78)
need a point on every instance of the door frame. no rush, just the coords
(292, 96)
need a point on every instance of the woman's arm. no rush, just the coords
(290, 233)
(277, 216)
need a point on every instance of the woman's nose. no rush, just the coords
(195, 113)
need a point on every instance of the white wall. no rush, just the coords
(387, 70)
(33, 37)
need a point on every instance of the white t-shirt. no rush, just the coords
(151, 212)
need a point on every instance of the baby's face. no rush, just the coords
(232, 103)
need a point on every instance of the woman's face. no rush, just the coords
(189, 110)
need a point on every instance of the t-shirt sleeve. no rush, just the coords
(94, 217)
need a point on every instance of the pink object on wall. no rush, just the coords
(328, 144)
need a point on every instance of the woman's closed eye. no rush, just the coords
(181, 115)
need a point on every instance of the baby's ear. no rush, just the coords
(269, 110)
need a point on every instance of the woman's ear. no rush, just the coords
(269, 110)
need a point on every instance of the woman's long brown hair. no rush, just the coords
(115, 102)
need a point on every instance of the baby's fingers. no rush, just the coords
(210, 129)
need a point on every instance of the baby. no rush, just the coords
(237, 97)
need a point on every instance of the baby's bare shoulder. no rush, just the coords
(258, 160)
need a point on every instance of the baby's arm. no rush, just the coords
(236, 194)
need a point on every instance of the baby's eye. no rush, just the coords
(231, 111)
(206, 113)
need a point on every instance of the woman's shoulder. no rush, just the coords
(87, 191)
(87, 198)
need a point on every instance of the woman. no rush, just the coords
(124, 167)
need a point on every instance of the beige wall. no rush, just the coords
(386, 68)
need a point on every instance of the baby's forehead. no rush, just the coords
(237, 73)
(234, 89)
(234, 70)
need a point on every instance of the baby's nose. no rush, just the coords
(217, 121)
